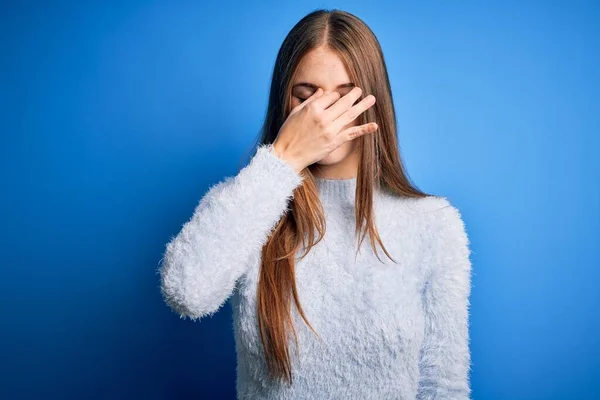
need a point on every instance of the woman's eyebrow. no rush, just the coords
(313, 86)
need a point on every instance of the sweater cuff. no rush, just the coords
(280, 168)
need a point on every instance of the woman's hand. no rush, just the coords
(315, 128)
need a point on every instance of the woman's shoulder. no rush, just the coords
(426, 204)
(415, 224)
(419, 206)
(430, 212)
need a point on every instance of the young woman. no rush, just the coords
(284, 238)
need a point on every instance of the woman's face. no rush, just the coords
(323, 68)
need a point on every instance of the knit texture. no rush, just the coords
(388, 330)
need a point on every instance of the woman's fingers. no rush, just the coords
(352, 113)
(343, 104)
(317, 93)
(326, 100)
(355, 131)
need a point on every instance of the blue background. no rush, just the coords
(116, 118)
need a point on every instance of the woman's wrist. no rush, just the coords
(276, 149)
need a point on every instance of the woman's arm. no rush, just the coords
(233, 220)
(445, 357)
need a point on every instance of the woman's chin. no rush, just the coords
(334, 157)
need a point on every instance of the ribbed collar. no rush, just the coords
(337, 191)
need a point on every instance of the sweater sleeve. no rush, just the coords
(230, 224)
(445, 357)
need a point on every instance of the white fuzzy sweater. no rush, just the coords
(390, 331)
